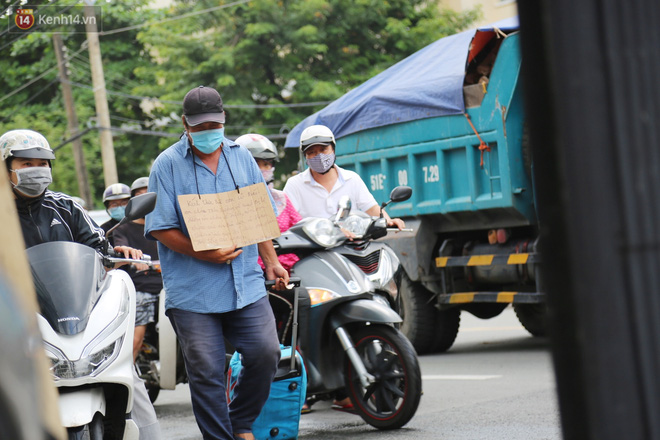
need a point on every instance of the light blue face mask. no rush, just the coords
(117, 213)
(208, 141)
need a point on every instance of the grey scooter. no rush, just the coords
(347, 336)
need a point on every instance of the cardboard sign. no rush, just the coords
(222, 220)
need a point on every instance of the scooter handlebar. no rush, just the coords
(293, 282)
(128, 260)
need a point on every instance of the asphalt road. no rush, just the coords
(495, 383)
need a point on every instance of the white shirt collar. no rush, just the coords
(342, 175)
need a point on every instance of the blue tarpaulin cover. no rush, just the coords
(426, 84)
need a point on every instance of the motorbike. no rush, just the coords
(348, 333)
(86, 319)
(376, 258)
(160, 360)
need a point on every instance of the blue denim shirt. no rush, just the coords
(192, 284)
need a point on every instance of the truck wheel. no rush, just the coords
(533, 317)
(418, 315)
(446, 329)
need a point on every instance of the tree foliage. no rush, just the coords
(268, 58)
(26, 56)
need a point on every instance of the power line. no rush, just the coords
(153, 122)
(27, 101)
(144, 133)
(230, 106)
(28, 83)
(13, 92)
(146, 123)
(84, 62)
(178, 17)
(117, 129)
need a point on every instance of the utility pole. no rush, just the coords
(78, 154)
(100, 98)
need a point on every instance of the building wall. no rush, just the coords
(492, 10)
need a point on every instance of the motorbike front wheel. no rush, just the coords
(392, 399)
(92, 431)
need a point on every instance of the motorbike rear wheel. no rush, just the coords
(392, 400)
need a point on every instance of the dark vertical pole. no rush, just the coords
(78, 155)
(591, 70)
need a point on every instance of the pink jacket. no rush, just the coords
(287, 218)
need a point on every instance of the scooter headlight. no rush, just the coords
(356, 224)
(323, 232)
(94, 359)
(63, 368)
(319, 296)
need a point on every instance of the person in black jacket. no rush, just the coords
(46, 215)
(148, 282)
(52, 216)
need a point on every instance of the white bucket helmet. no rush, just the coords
(316, 134)
(25, 144)
(260, 146)
(140, 182)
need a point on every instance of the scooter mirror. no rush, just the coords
(400, 193)
(140, 206)
(343, 208)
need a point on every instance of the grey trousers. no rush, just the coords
(143, 412)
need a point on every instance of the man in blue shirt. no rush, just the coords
(217, 293)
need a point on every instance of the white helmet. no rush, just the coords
(316, 134)
(260, 146)
(26, 144)
(140, 182)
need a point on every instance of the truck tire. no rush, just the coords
(418, 313)
(533, 317)
(446, 329)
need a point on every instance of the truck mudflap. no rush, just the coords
(492, 297)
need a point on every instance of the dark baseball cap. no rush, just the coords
(203, 104)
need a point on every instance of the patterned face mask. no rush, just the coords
(32, 181)
(321, 163)
(269, 175)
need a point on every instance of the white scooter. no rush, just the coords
(86, 320)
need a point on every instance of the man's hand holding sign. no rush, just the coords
(220, 224)
(230, 219)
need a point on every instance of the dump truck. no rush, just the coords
(448, 121)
